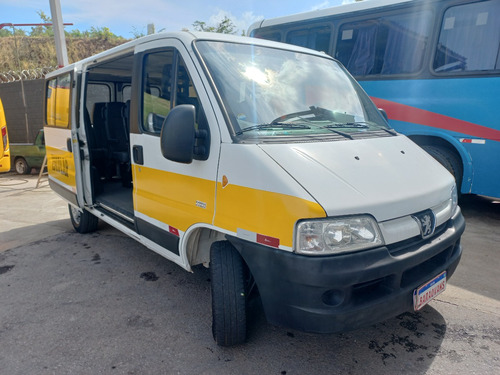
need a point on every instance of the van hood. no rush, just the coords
(386, 177)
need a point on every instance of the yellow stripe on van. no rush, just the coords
(267, 213)
(61, 165)
(173, 198)
(4, 142)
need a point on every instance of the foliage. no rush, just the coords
(136, 33)
(43, 30)
(226, 26)
(29, 52)
(48, 31)
(36, 49)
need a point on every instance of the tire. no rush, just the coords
(21, 166)
(449, 160)
(229, 300)
(82, 220)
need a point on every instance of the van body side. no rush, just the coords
(266, 163)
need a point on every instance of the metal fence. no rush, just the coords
(26, 74)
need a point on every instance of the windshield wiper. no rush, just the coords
(360, 125)
(318, 112)
(347, 125)
(273, 125)
(390, 131)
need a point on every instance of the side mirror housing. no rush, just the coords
(177, 137)
(384, 114)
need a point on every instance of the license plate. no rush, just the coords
(424, 294)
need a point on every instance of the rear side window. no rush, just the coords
(469, 38)
(58, 101)
(97, 93)
(387, 45)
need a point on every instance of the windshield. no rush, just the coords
(269, 92)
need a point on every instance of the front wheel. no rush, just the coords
(21, 166)
(229, 298)
(449, 160)
(82, 220)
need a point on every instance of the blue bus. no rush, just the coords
(432, 65)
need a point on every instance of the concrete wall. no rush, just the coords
(23, 122)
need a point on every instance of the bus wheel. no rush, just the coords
(449, 160)
(21, 166)
(82, 220)
(229, 300)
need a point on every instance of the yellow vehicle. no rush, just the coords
(263, 161)
(4, 143)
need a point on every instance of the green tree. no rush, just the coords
(43, 30)
(136, 33)
(5, 32)
(75, 33)
(101, 33)
(226, 26)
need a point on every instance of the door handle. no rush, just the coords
(138, 154)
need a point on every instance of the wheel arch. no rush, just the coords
(195, 247)
(451, 145)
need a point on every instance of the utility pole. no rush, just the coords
(62, 53)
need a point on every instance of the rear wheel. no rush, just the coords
(21, 166)
(228, 274)
(449, 160)
(82, 220)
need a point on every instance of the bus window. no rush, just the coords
(469, 38)
(387, 45)
(274, 36)
(317, 38)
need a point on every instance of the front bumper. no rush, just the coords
(336, 293)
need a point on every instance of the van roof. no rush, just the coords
(187, 37)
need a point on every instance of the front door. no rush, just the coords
(169, 197)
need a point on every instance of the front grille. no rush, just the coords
(414, 243)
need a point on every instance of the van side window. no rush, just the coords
(156, 89)
(97, 93)
(58, 101)
(160, 93)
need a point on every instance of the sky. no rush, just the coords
(128, 18)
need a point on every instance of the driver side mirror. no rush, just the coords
(177, 135)
(384, 114)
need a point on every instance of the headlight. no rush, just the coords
(454, 199)
(337, 235)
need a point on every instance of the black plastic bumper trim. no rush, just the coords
(342, 292)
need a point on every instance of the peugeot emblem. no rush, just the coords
(426, 221)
